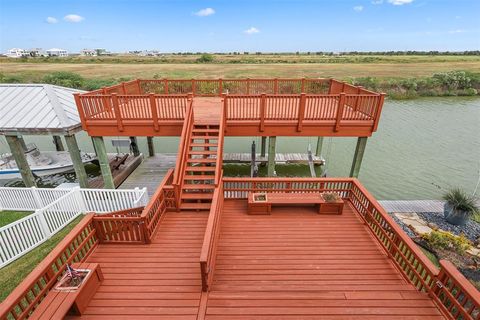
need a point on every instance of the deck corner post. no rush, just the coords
(153, 108)
(381, 100)
(340, 108)
(81, 112)
(165, 85)
(104, 164)
(116, 109)
(301, 111)
(271, 156)
(57, 141)
(77, 162)
(318, 150)
(220, 86)
(358, 156)
(275, 86)
(302, 88)
(16, 145)
(151, 147)
(263, 102)
(139, 86)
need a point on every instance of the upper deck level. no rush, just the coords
(250, 107)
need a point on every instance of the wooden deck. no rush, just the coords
(301, 158)
(294, 264)
(121, 173)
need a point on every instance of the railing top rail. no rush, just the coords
(286, 179)
(461, 281)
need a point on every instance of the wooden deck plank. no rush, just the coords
(294, 264)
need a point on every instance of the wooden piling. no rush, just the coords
(358, 156)
(78, 165)
(318, 150)
(272, 141)
(16, 144)
(151, 147)
(104, 164)
(57, 141)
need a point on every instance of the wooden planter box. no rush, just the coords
(258, 206)
(331, 207)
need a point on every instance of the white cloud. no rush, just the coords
(399, 2)
(457, 31)
(252, 30)
(358, 8)
(73, 18)
(205, 12)
(377, 1)
(51, 20)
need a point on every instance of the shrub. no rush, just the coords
(447, 241)
(205, 58)
(459, 200)
(454, 80)
(65, 79)
(94, 84)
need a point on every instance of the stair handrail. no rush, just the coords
(221, 134)
(183, 149)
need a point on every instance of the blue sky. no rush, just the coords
(242, 25)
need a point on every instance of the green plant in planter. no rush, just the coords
(459, 206)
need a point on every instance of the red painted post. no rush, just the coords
(341, 105)
(381, 99)
(165, 85)
(153, 106)
(193, 87)
(303, 85)
(275, 86)
(248, 85)
(139, 85)
(301, 111)
(263, 101)
(124, 89)
(81, 112)
(116, 109)
(220, 87)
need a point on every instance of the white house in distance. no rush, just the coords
(88, 52)
(16, 53)
(55, 52)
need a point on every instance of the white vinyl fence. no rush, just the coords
(54, 209)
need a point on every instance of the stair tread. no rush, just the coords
(202, 152)
(198, 186)
(200, 196)
(204, 137)
(198, 177)
(205, 130)
(200, 169)
(195, 205)
(203, 145)
(202, 160)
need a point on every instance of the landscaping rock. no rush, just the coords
(471, 230)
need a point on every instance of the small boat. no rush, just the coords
(42, 163)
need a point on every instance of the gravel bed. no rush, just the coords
(471, 230)
(405, 228)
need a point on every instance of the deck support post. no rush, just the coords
(57, 141)
(358, 156)
(17, 148)
(151, 147)
(74, 151)
(318, 150)
(263, 147)
(104, 164)
(272, 141)
(134, 146)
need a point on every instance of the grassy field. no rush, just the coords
(399, 76)
(280, 70)
(7, 217)
(14, 273)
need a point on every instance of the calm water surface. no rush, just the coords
(422, 147)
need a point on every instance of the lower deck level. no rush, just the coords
(292, 264)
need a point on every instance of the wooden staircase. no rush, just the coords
(199, 177)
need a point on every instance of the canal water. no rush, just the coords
(422, 147)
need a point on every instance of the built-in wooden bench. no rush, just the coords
(288, 198)
(57, 304)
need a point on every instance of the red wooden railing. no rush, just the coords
(217, 87)
(123, 226)
(161, 201)
(455, 296)
(210, 240)
(75, 247)
(182, 153)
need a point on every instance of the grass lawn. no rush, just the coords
(7, 217)
(12, 274)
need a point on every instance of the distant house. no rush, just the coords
(88, 52)
(16, 53)
(36, 52)
(55, 52)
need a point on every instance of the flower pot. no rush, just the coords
(455, 217)
(65, 283)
